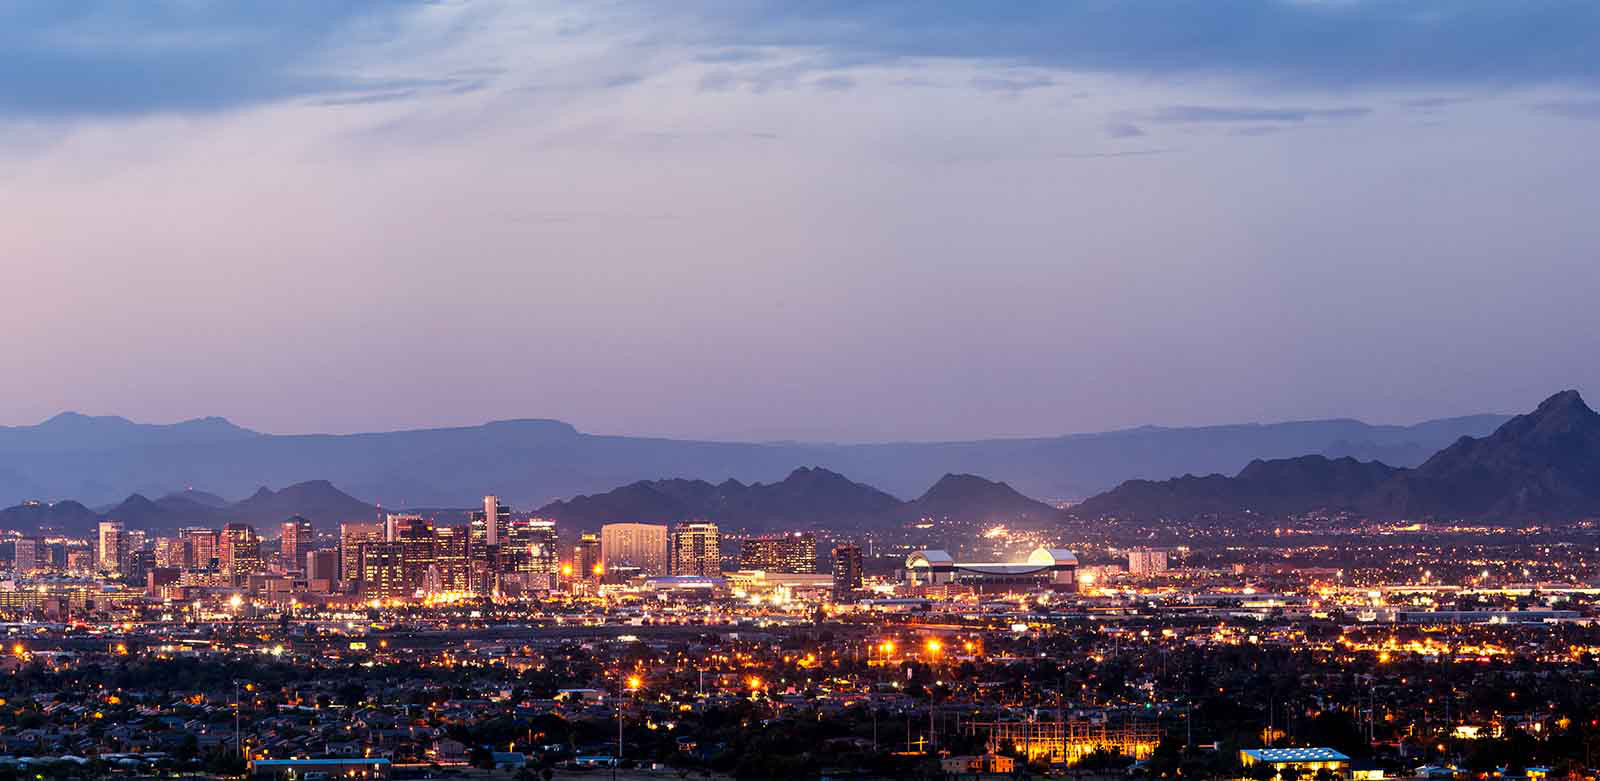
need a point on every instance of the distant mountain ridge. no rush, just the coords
(808, 497)
(101, 460)
(317, 500)
(1544, 465)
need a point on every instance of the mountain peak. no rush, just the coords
(1565, 403)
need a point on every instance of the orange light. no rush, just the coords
(599, 569)
(634, 682)
(934, 646)
(886, 646)
(566, 570)
(755, 683)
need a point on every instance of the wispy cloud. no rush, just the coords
(1571, 109)
(1253, 114)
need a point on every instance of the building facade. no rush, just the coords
(697, 550)
(297, 540)
(641, 545)
(848, 573)
(795, 552)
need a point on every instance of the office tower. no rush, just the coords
(847, 572)
(586, 556)
(171, 553)
(322, 565)
(697, 550)
(795, 552)
(27, 559)
(202, 547)
(489, 525)
(239, 550)
(81, 561)
(133, 540)
(297, 540)
(531, 547)
(108, 553)
(351, 537)
(642, 545)
(415, 535)
(137, 564)
(1147, 562)
(451, 544)
(382, 570)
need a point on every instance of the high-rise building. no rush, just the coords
(134, 540)
(415, 535)
(642, 545)
(795, 552)
(451, 545)
(383, 570)
(81, 560)
(322, 565)
(489, 525)
(171, 552)
(108, 553)
(586, 556)
(531, 547)
(847, 572)
(27, 559)
(240, 553)
(202, 548)
(297, 541)
(351, 537)
(1147, 562)
(697, 550)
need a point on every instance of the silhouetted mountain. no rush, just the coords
(969, 497)
(531, 462)
(1272, 488)
(807, 497)
(138, 512)
(67, 515)
(317, 500)
(1544, 465)
(199, 497)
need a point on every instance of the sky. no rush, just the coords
(852, 221)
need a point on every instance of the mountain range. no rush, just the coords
(317, 500)
(100, 460)
(807, 497)
(1544, 465)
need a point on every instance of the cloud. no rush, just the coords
(1012, 85)
(1288, 42)
(1123, 130)
(1253, 114)
(1571, 109)
(835, 83)
(116, 59)
(108, 58)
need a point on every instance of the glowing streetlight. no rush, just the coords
(634, 682)
(887, 647)
(235, 601)
(933, 646)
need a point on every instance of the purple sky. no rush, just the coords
(855, 221)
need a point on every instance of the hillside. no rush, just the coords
(317, 500)
(1541, 466)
